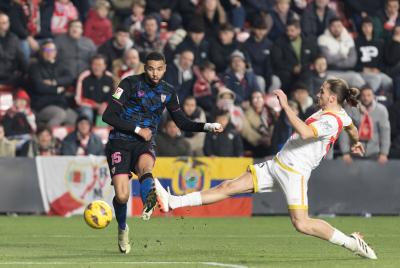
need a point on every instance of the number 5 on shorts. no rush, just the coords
(116, 158)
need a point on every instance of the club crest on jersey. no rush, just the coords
(140, 93)
(118, 92)
(163, 97)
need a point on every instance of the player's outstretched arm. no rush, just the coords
(185, 123)
(302, 128)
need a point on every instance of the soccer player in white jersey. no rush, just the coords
(291, 167)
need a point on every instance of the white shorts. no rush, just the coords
(270, 175)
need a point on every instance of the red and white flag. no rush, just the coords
(69, 183)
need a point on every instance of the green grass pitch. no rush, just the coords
(190, 242)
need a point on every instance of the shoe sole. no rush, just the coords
(149, 206)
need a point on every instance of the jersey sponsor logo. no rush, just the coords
(163, 97)
(140, 93)
(118, 92)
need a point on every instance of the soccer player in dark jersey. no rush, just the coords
(135, 111)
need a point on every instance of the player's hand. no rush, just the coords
(213, 127)
(382, 159)
(358, 149)
(145, 133)
(281, 97)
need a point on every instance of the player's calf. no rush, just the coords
(148, 195)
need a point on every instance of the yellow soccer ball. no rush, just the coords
(98, 214)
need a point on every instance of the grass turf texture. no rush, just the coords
(251, 242)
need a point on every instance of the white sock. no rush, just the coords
(192, 199)
(343, 240)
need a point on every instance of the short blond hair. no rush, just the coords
(102, 4)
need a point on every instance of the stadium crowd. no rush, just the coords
(60, 61)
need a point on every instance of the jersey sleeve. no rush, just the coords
(122, 92)
(325, 126)
(173, 103)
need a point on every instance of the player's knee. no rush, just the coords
(122, 197)
(300, 225)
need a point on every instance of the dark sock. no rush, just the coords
(146, 185)
(120, 213)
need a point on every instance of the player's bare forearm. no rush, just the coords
(353, 133)
(302, 128)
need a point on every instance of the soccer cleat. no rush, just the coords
(123, 240)
(363, 249)
(162, 196)
(149, 205)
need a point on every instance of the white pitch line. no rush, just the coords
(219, 264)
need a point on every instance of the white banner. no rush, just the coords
(69, 183)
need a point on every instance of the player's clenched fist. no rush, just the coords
(281, 97)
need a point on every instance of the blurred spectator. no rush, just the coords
(241, 80)
(43, 29)
(236, 13)
(75, 50)
(213, 15)
(258, 48)
(97, 26)
(316, 17)
(121, 10)
(166, 11)
(222, 48)
(392, 59)
(318, 75)
(7, 148)
(394, 118)
(19, 122)
(170, 142)
(373, 126)
(83, 7)
(281, 15)
(129, 65)
(180, 74)
(64, 13)
(149, 40)
(49, 79)
(19, 18)
(226, 143)
(94, 88)
(115, 47)
(253, 7)
(258, 133)
(301, 95)
(293, 55)
(359, 9)
(195, 113)
(389, 17)
(134, 21)
(44, 144)
(187, 9)
(226, 103)
(206, 87)
(196, 42)
(337, 46)
(370, 58)
(13, 65)
(283, 129)
(82, 141)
